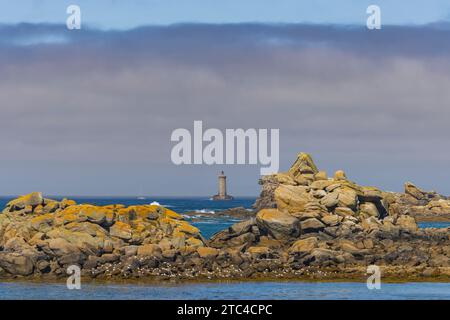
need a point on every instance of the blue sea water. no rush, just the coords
(230, 291)
(433, 224)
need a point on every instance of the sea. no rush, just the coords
(292, 290)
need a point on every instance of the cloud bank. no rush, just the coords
(91, 112)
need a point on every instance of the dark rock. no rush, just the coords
(16, 264)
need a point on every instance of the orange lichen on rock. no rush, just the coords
(59, 233)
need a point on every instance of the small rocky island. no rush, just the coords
(307, 226)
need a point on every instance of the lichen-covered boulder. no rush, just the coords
(311, 225)
(347, 197)
(303, 164)
(369, 209)
(121, 230)
(407, 223)
(30, 200)
(415, 192)
(340, 175)
(278, 224)
(208, 253)
(15, 263)
(304, 245)
(292, 198)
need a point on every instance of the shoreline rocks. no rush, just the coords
(313, 226)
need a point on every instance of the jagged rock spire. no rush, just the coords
(303, 169)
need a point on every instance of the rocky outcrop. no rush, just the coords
(342, 222)
(313, 225)
(268, 185)
(42, 236)
(419, 195)
(423, 205)
(305, 189)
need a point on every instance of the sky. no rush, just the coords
(91, 111)
(116, 14)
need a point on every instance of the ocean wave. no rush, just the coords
(197, 216)
(205, 211)
(209, 221)
(156, 203)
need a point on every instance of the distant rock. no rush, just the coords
(423, 205)
(237, 213)
(420, 195)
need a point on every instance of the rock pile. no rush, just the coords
(305, 189)
(39, 236)
(311, 219)
(423, 205)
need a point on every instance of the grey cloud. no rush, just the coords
(104, 103)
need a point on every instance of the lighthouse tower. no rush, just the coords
(222, 195)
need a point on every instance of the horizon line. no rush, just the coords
(93, 27)
(126, 196)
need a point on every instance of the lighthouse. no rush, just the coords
(222, 195)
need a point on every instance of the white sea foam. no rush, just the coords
(197, 216)
(205, 211)
(156, 203)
